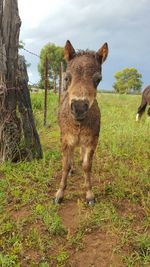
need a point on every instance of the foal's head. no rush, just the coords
(82, 77)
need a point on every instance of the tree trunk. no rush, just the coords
(10, 124)
(31, 138)
(10, 131)
(54, 83)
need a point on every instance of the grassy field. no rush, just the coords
(116, 231)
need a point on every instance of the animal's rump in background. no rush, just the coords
(144, 102)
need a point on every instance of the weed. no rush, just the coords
(50, 218)
(62, 258)
(8, 261)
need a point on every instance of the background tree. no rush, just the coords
(22, 46)
(128, 80)
(55, 57)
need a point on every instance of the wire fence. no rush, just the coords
(4, 55)
(26, 50)
(5, 86)
(30, 52)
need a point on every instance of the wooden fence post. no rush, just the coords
(46, 89)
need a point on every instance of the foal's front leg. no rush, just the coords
(66, 162)
(87, 166)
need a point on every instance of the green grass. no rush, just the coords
(32, 232)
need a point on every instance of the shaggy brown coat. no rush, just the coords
(79, 114)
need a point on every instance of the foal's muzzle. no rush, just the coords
(79, 108)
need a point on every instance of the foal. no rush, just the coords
(79, 114)
(144, 102)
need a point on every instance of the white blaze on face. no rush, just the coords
(137, 117)
(79, 98)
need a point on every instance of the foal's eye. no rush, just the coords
(67, 80)
(96, 79)
(67, 77)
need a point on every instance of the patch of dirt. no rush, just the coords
(31, 256)
(127, 208)
(2, 175)
(22, 213)
(69, 216)
(97, 252)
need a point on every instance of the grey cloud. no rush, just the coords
(123, 24)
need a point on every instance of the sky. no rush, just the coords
(123, 24)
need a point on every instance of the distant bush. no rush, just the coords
(36, 102)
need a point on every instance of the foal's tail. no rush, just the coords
(141, 108)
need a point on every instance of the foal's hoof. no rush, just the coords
(58, 200)
(71, 172)
(91, 202)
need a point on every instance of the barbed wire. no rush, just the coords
(26, 50)
(30, 52)
(31, 83)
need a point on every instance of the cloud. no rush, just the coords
(30, 74)
(88, 24)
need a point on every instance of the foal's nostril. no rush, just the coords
(73, 107)
(86, 106)
(79, 108)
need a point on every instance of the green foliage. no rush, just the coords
(50, 218)
(37, 104)
(61, 258)
(76, 240)
(8, 261)
(55, 56)
(142, 244)
(35, 232)
(128, 80)
(21, 44)
(44, 264)
(99, 215)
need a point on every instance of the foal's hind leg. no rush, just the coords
(87, 166)
(66, 162)
(141, 109)
(148, 112)
(71, 172)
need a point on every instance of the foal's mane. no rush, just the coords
(86, 52)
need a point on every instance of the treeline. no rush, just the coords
(55, 56)
(114, 92)
(127, 81)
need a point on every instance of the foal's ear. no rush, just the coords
(103, 52)
(69, 51)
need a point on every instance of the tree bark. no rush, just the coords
(10, 131)
(31, 138)
(10, 92)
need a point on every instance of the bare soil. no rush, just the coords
(97, 252)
